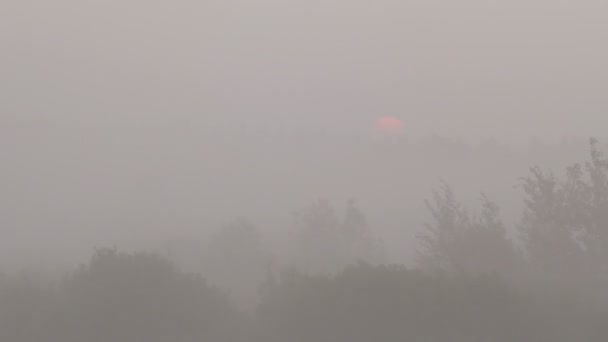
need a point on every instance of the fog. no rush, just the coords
(243, 141)
(467, 69)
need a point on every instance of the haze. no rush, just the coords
(241, 140)
(467, 69)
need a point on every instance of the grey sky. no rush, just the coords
(244, 138)
(471, 68)
(122, 120)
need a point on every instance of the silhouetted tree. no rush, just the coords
(319, 243)
(384, 303)
(327, 243)
(565, 224)
(596, 237)
(237, 260)
(361, 244)
(458, 242)
(551, 223)
(442, 238)
(143, 297)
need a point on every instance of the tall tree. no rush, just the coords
(326, 242)
(565, 223)
(143, 297)
(597, 227)
(359, 240)
(442, 236)
(237, 259)
(319, 243)
(551, 223)
(456, 241)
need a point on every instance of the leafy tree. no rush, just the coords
(358, 238)
(327, 243)
(565, 224)
(143, 297)
(458, 242)
(442, 237)
(596, 239)
(387, 303)
(319, 243)
(552, 222)
(238, 260)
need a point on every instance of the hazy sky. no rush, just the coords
(122, 118)
(469, 68)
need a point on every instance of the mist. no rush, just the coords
(264, 158)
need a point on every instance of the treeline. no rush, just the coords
(560, 244)
(476, 279)
(118, 297)
(142, 297)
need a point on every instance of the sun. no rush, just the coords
(389, 126)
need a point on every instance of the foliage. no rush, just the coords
(388, 303)
(238, 260)
(326, 243)
(565, 225)
(119, 297)
(458, 242)
(463, 290)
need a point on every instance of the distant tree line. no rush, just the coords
(562, 240)
(475, 280)
(121, 297)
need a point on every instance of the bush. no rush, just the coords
(366, 303)
(143, 297)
